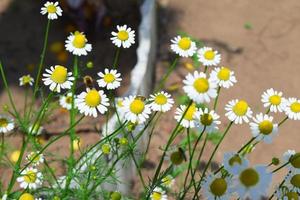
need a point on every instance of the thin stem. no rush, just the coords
(166, 76)
(190, 156)
(210, 159)
(280, 123)
(216, 100)
(116, 59)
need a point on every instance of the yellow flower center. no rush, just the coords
(68, 99)
(77, 143)
(275, 100)
(189, 115)
(26, 79)
(109, 78)
(51, 8)
(161, 99)
(14, 156)
(292, 196)
(295, 160)
(30, 177)
(295, 107)
(137, 106)
(59, 75)
(240, 108)
(185, 43)
(218, 187)
(123, 35)
(206, 119)
(156, 196)
(26, 196)
(235, 160)
(3, 122)
(79, 40)
(209, 55)
(249, 177)
(201, 85)
(295, 180)
(224, 74)
(93, 98)
(265, 127)
(167, 181)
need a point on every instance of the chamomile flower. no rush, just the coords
(188, 120)
(36, 129)
(252, 182)
(263, 128)
(294, 160)
(110, 79)
(136, 110)
(292, 108)
(119, 103)
(65, 101)
(91, 101)
(124, 37)
(183, 46)
(6, 124)
(238, 111)
(233, 162)
(223, 76)
(58, 78)
(273, 100)
(30, 178)
(217, 187)
(4, 197)
(158, 194)
(77, 44)
(199, 88)
(207, 119)
(35, 158)
(167, 181)
(209, 57)
(293, 181)
(161, 101)
(52, 9)
(28, 196)
(26, 80)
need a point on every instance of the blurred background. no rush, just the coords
(258, 39)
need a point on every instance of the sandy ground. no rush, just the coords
(268, 56)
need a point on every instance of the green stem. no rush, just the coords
(166, 76)
(210, 159)
(280, 123)
(116, 59)
(216, 100)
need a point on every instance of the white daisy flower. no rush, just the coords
(161, 101)
(238, 111)
(77, 44)
(188, 120)
(90, 101)
(167, 181)
(35, 130)
(109, 79)
(35, 158)
(65, 101)
(136, 111)
(233, 162)
(207, 119)
(292, 181)
(30, 178)
(124, 37)
(263, 128)
(217, 187)
(6, 124)
(223, 76)
(26, 80)
(252, 182)
(273, 100)
(58, 78)
(292, 108)
(158, 194)
(199, 88)
(294, 160)
(209, 57)
(52, 9)
(183, 46)
(120, 107)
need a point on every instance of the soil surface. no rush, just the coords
(257, 39)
